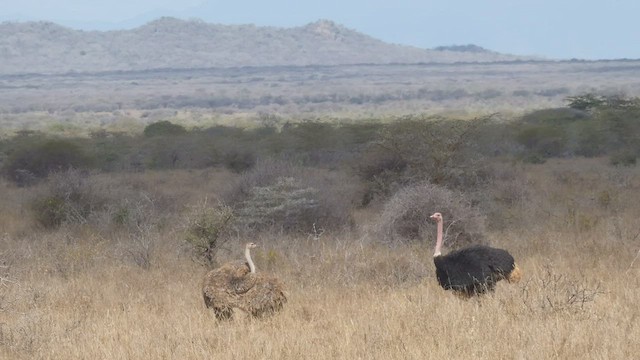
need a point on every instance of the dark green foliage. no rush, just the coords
(35, 157)
(382, 171)
(445, 152)
(555, 116)
(585, 101)
(590, 101)
(543, 140)
(612, 126)
(49, 212)
(238, 160)
(164, 128)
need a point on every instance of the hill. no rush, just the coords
(45, 47)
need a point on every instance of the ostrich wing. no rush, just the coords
(475, 268)
(265, 297)
(460, 271)
(220, 286)
(241, 284)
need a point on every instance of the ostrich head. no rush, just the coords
(250, 245)
(437, 217)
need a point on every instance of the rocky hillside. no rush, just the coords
(44, 47)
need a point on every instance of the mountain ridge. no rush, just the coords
(167, 42)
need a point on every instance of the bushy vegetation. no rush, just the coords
(206, 230)
(340, 257)
(68, 198)
(74, 197)
(278, 194)
(405, 217)
(444, 152)
(32, 157)
(298, 176)
(164, 128)
(593, 125)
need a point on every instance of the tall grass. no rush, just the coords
(70, 292)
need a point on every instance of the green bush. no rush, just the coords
(164, 128)
(555, 116)
(444, 151)
(37, 158)
(50, 211)
(543, 140)
(238, 160)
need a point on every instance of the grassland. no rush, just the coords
(76, 292)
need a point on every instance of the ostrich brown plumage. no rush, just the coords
(237, 285)
(473, 270)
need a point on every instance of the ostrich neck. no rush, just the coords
(437, 252)
(247, 255)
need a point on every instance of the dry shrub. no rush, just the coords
(68, 198)
(509, 191)
(286, 204)
(551, 291)
(127, 211)
(264, 173)
(141, 220)
(277, 195)
(405, 216)
(206, 230)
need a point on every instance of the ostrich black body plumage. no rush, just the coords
(473, 270)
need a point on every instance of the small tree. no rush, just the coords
(585, 101)
(68, 198)
(206, 227)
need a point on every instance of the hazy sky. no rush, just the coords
(560, 29)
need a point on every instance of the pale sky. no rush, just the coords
(558, 29)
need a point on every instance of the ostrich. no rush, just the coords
(473, 270)
(237, 285)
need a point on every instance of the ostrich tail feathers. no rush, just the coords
(515, 275)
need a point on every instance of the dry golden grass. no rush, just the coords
(70, 294)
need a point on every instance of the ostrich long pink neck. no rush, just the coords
(247, 255)
(438, 240)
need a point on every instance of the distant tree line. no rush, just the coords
(408, 147)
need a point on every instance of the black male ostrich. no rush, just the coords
(473, 270)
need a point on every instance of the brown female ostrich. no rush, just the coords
(237, 285)
(472, 270)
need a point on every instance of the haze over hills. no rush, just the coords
(45, 47)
